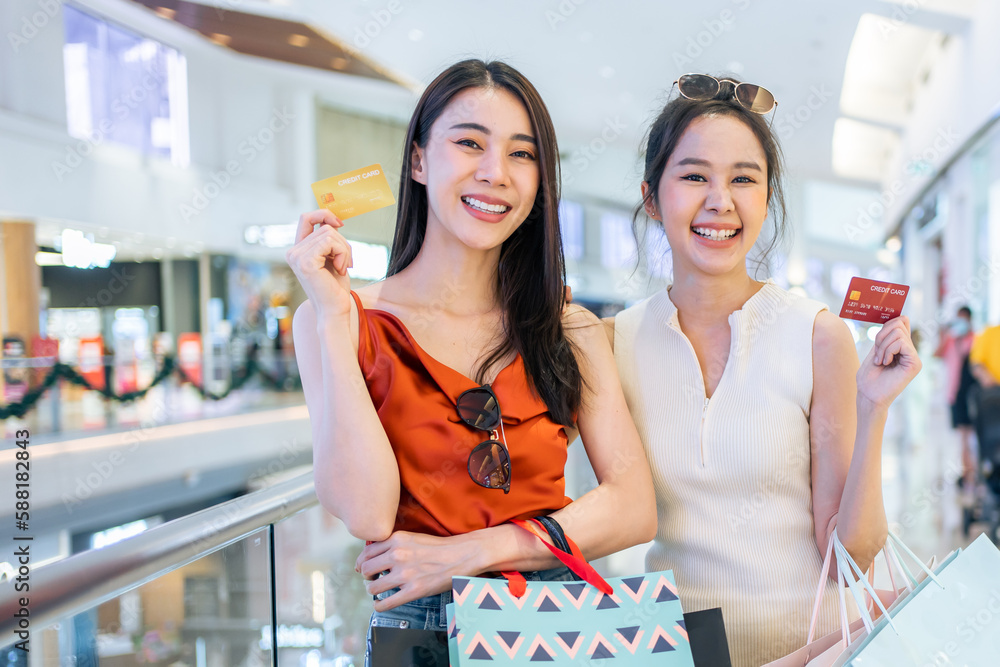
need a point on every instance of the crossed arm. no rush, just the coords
(357, 478)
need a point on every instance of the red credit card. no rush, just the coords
(873, 301)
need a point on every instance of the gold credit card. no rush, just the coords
(355, 192)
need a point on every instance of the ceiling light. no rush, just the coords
(298, 40)
(339, 63)
(43, 258)
(893, 244)
(166, 12)
(862, 150)
(220, 39)
(80, 250)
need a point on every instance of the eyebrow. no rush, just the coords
(705, 163)
(482, 128)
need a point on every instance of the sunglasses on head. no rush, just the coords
(750, 96)
(489, 461)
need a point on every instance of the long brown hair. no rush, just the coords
(532, 273)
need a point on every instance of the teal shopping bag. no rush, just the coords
(950, 618)
(568, 623)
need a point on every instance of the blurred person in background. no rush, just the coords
(985, 357)
(953, 350)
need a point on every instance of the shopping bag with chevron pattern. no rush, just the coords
(634, 620)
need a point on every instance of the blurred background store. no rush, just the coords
(155, 156)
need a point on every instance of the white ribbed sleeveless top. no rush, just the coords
(732, 474)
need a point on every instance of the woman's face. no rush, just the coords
(712, 197)
(480, 166)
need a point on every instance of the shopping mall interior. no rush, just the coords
(155, 157)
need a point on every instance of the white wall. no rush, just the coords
(231, 98)
(961, 93)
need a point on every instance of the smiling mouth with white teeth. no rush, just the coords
(484, 207)
(715, 234)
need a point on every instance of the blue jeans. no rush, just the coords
(428, 613)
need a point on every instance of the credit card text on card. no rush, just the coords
(354, 192)
(873, 301)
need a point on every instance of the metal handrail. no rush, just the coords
(87, 579)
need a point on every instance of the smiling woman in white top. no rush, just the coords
(762, 431)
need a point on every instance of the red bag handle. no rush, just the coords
(573, 560)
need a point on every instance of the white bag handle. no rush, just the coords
(859, 586)
(823, 574)
(893, 542)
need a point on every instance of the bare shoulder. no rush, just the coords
(584, 329)
(371, 294)
(577, 319)
(609, 329)
(833, 344)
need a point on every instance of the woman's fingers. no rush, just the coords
(882, 343)
(323, 244)
(890, 340)
(319, 216)
(371, 551)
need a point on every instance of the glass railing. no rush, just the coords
(265, 579)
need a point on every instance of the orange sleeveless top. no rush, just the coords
(415, 395)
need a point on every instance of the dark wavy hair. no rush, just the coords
(532, 272)
(666, 131)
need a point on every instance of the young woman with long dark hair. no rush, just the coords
(443, 398)
(762, 431)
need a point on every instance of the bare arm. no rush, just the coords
(357, 478)
(847, 422)
(619, 513)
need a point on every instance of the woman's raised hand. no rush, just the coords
(320, 259)
(890, 365)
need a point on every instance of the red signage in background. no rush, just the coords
(47, 348)
(189, 355)
(91, 361)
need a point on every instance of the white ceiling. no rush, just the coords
(595, 61)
